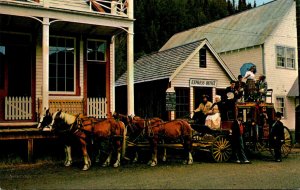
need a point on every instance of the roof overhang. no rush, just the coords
(294, 91)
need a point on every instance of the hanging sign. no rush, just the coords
(170, 99)
(203, 83)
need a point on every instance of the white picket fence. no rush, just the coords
(18, 108)
(97, 107)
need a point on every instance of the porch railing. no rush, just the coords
(114, 7)
(18, 108)
(97, 107)
(70, 106)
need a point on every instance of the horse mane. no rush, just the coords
(68, 118)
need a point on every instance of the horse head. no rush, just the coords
(45, 120)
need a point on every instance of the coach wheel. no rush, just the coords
(288, 144)
(221, 149)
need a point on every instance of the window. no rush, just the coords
(202, 58)
(290, 58)
(280, 105)
(285, 57)
(61, 64)
(96, 50)
(182, 102)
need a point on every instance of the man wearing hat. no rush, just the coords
(277, 136)
(240, 87)
(231, 94)
(238, 129)
(202, 110)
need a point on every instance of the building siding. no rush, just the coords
(213, 71)
(39, 71)
(281, 80)
(235, 59)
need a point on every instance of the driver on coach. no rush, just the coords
(201, 112)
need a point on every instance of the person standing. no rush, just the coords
(238, 128)
(277, 136)
(250, 76)
(231, 93)
(240, 87)
(262, 87)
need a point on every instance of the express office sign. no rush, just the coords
(203, 83)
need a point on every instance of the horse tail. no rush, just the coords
(124, 139)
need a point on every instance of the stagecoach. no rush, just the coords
(256, 135)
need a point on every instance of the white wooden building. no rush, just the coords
(265, 36)
(191, 70)
(59, 54)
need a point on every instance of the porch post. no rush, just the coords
(112, 75)
(191, 101)
(130, 63)
(45, 43)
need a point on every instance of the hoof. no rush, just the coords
(117, 164)
(68, 163)
(164, 159)
(134, 160)
(188, 162)
(86, 167)
(97, 160)
(105, 164)
(154, 163)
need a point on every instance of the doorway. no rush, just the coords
(15, 68)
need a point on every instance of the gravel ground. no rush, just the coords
(261, 174)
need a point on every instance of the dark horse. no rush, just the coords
(155, 129)
(81, 127)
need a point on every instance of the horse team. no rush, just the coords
(117, 131)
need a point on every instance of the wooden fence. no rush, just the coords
(18, 108)
(97, 107)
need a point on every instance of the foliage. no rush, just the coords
(157, 20)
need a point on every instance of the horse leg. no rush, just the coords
(188, 150)
(68, 161)
(164, 158)
(136, 156)
(119, 149)
(86, 158)
(107, 161)
(154, 151)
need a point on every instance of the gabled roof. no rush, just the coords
(166, 64)
(294, 91)
(246, 29)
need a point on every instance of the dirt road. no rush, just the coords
(170, 175)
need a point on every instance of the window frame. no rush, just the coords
(281, 108)
(181, 112)
(74, 68)
(285, 57)
(105, 51)
(202, 58)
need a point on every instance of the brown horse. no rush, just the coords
(156, 130)
(79, 126)
(173, 130)
(137, 128)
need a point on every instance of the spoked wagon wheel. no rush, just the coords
(288, 144)
(221, 149)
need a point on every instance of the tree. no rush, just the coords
(157, 20)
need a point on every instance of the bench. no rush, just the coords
(23, 131)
